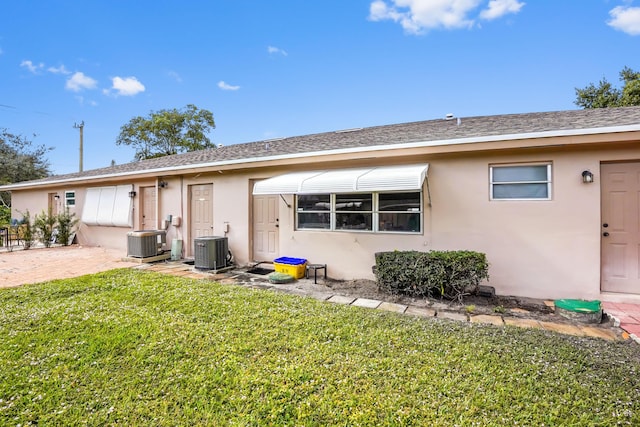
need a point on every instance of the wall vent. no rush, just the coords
(211, 252)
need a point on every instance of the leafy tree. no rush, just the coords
(167, 132)
(631, 89)
(605, 95)
(20, 161)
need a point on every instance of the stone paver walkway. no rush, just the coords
(627, 317)
(37, 265)
(41, 264)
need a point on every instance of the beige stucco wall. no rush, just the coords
(543, 249)
(546, 249)
(230, 211)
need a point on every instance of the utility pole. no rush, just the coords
(81, 127)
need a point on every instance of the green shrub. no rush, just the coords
(66, 222)
(44, 224)
(446, 274)
(25, 230)
(5, 219)
(5, 216)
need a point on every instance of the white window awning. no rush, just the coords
(108, 206)
(383, 178)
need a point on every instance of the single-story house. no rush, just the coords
(552, 198)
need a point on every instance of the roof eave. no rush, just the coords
(353, 150)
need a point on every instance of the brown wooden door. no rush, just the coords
(201, 212)
(53, 204)
(620, 227)
(265, 228)
(148, 201)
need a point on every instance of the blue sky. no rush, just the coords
(269, 69)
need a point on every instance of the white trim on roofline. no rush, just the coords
(386, 147)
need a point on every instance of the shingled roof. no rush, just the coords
(429, 131)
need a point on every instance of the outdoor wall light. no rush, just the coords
(57, 197)
(163, 184)
(587, 177)
(132, 193)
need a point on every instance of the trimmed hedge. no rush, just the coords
(446, 274)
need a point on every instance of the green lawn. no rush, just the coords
(130, 347)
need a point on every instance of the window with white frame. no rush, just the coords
(354, 211)
(367, 212)
(314, 211)
(399, 211)
(520, 182)
(69, 198)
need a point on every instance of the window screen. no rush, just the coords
(70, 198)
(373, 212)
(521, 182)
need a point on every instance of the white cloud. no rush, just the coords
(128, 86)
(78, 81)
(625, 19)
(419, 16)
(224, 86)
(276, 50)
(29, 65)
(499, 8)
(58, 70)
(175, 76)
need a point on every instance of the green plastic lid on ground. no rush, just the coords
(278, 277)
(579, 310)
(579, 306)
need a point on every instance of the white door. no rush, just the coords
(201, 212)
(620, 227)
(148, 219)
(265, 228)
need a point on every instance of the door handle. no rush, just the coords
(605, 234)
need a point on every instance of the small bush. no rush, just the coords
(25, 230)
(66, 222)
(5, 216)
(446, 274)
(45, 223)
(5, 219)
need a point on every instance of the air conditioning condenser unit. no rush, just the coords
(145, 243)
(211, 252)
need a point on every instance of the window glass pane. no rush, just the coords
(520, 173)
(354, 202)
(314, 221)
(402, 202)
(70, 198)
(314, 202)
(400, 222)
(353, 221)
(520, 191)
